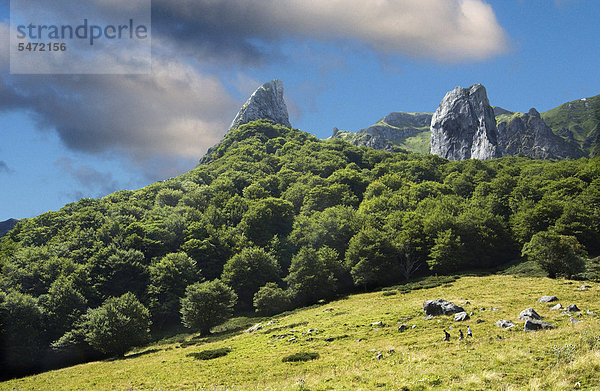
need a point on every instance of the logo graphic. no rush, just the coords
(80, 37)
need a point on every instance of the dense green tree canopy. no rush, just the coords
(265, 200)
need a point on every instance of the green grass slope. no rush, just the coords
(347, 345)
(581, 118)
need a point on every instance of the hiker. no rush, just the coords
(469, 332)
(460, 335)
(446, 336)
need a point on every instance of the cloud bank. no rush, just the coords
(183, 107)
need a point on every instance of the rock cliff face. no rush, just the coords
(464, 126)
(528, 135)
(265, 103)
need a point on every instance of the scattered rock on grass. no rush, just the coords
(461, 316)
(584, 287)
(441, 307)
(547, 299)
(402, 328)
(591, 313)
(572, 308)
(377, 324)
(529, 314)
(534, 325)
(254, 328)
(556, 307)
(505, 324)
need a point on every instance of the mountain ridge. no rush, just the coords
(575, 127)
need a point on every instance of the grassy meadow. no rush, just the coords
(355, 354)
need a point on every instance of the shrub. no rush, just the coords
(303, 356)
(558, 255)
(271, 300)
(206, 305)
(210, 354)
(117, 325)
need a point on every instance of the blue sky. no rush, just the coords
(342, 66)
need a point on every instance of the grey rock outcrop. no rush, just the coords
(572, 308)
(464, 126)
(528, 135)
(528, 314)
(461, 316)
(505, 324)
(440, 307)
(534, 325)
(265, 103)
(547, 299)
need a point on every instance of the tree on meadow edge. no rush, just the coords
(206, 305)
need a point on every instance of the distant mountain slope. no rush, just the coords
(7, 225)
(579, 121)
(408, 131)
(527, 134)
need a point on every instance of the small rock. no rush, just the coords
(529, 313)
(254, 328)
(494, 309)
(271, 323)
(359, 340)
(556, 307)
(575, 321)
(572, 308)
(534, 325)
(402, 328)
(330, 339)
(414, 326)
(377, 324)
(379, 356)
(584, 287)
(479, 321)
(291, 339)
(428, 317)
(591, 313)
(467, 303)
(547, 299)
(482, 309)
(505, 324)
(461, 317)
(391, 351)
(471, 313)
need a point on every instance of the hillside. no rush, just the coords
(348, 340)
(407, 131)
(7, 225)
(275, 211)
(578, 121)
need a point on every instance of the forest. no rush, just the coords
(274, 219)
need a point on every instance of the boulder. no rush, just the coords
(505, 324)
(461, 316)
(265, 103)
(572, 308)
(254, 328)
(529, 314)
(534, 325)
(547, 299)
(464, 126)
(440, 307)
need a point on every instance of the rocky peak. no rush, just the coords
(464, 126)
(528, 135)
(265, 103)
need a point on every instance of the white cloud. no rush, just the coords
(445, 30)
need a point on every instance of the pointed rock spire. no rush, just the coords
(464, 126)
(265, 103)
